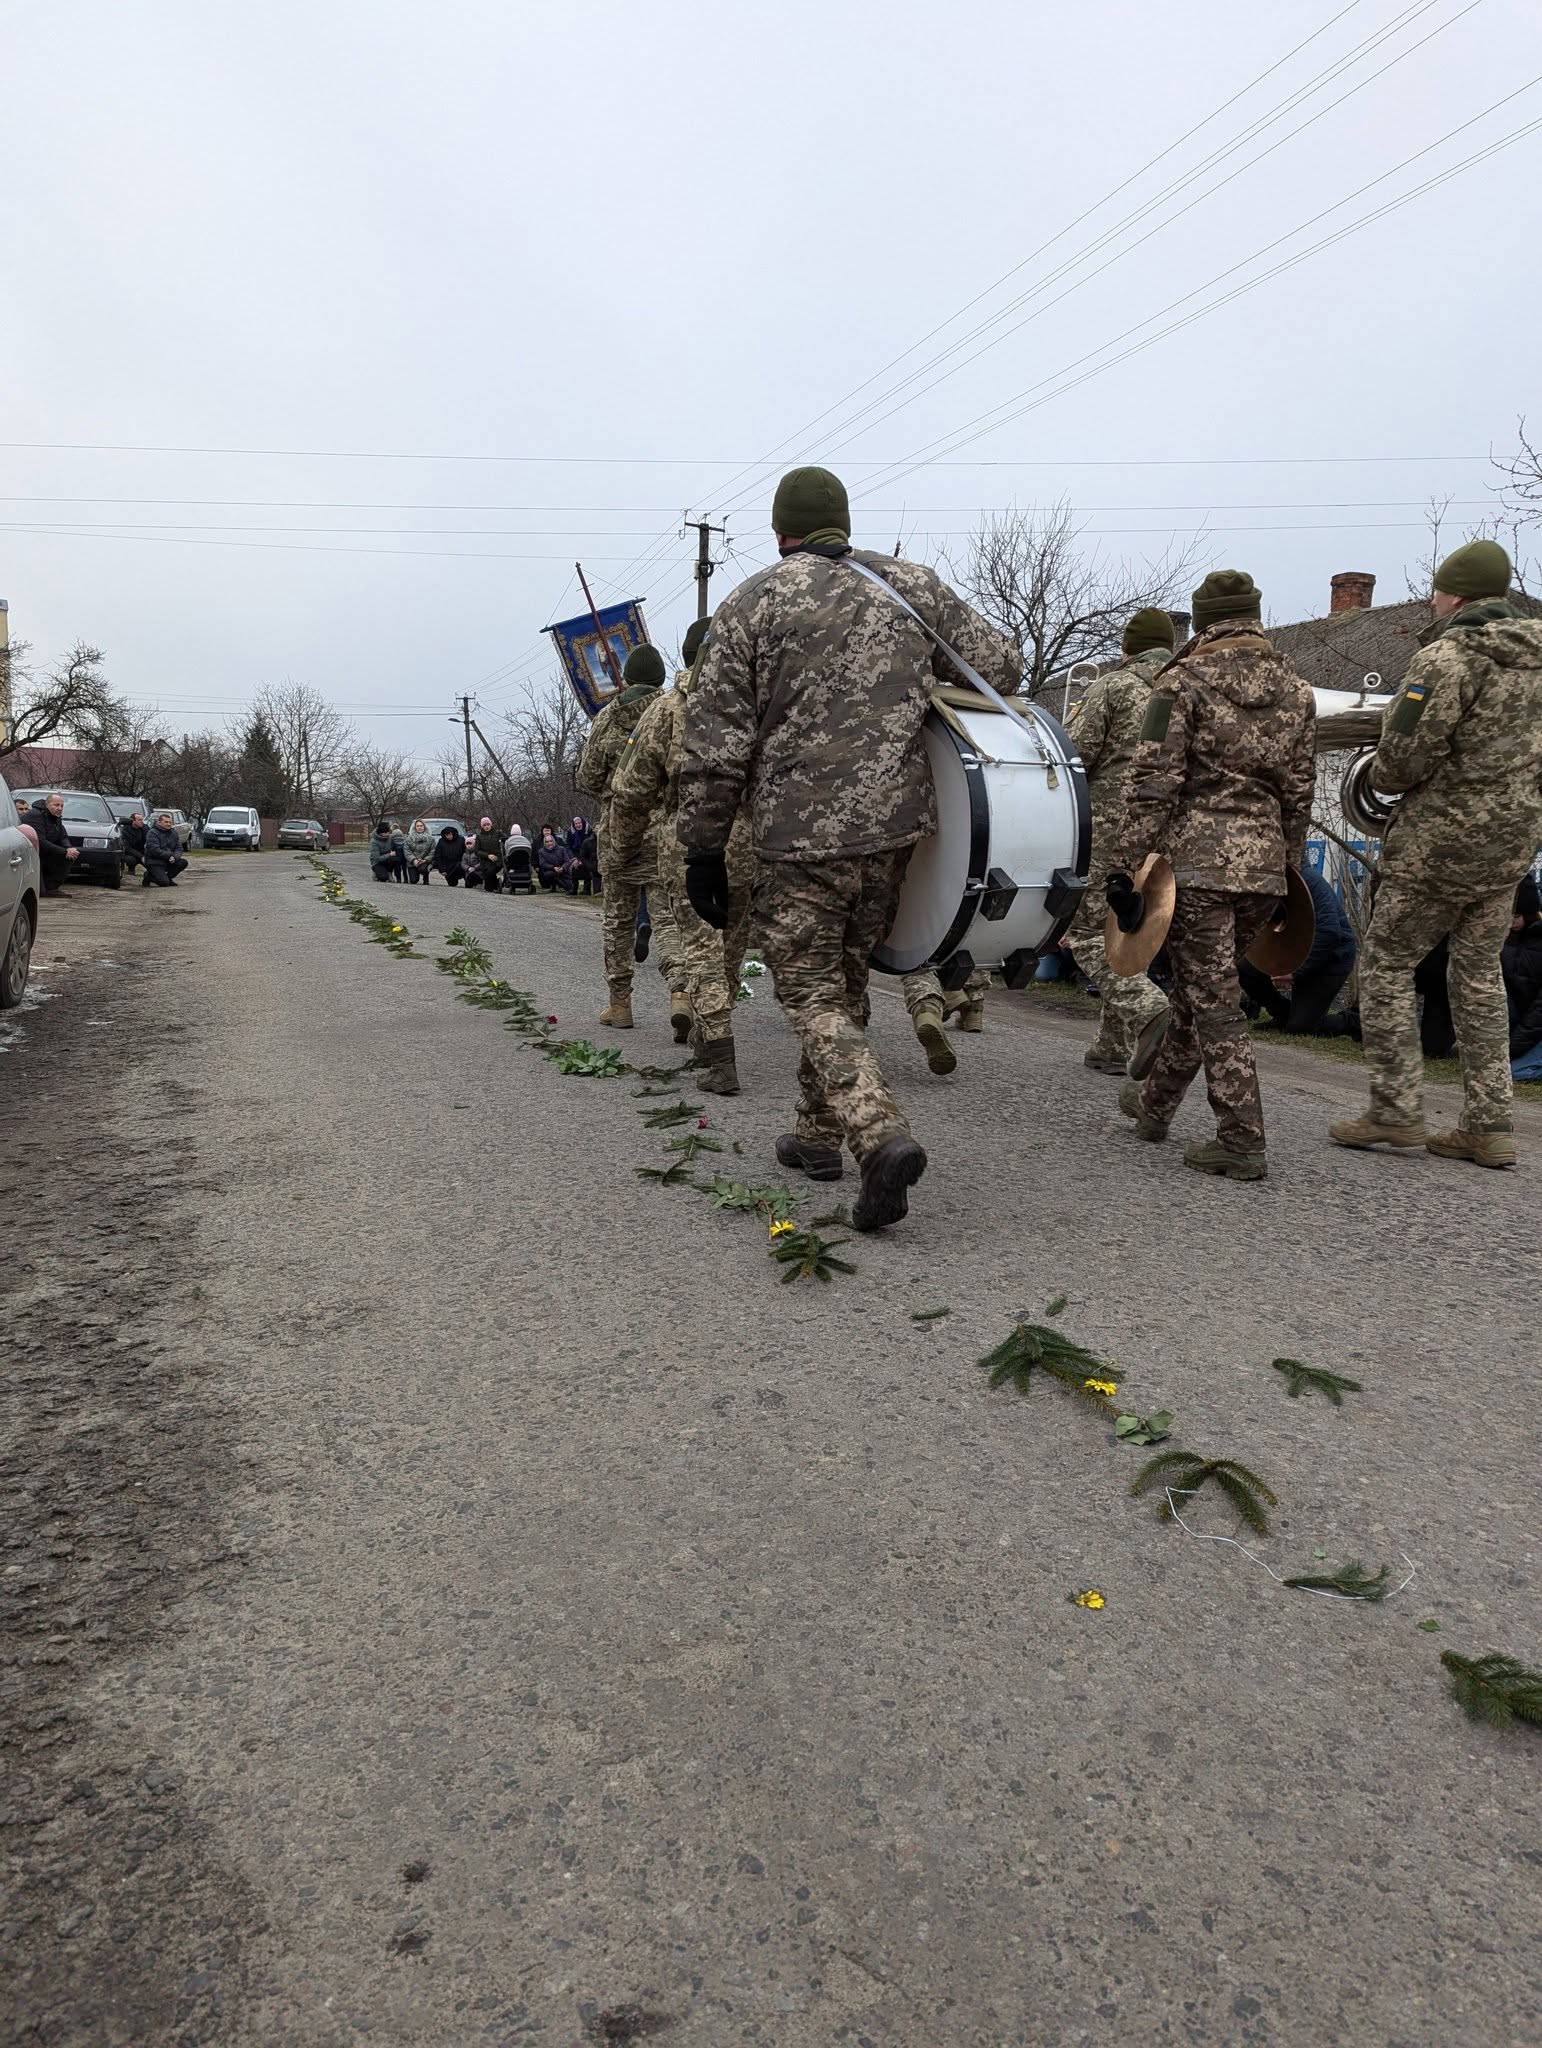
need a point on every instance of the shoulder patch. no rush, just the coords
(1158, 716)
(1409, 708)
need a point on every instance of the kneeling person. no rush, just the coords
(164, 859)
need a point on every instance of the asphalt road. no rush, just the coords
(503, 1612)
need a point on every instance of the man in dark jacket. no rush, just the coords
(449, 854)
(1307, 995)
(133, 836)
(54, 850)
(164, 859)
(1521, 961)
(382, 854)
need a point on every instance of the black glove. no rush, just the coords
(706, 883)
(1125, 901)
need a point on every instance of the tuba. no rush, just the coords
(1367, 809)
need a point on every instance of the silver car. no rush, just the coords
(20, 884)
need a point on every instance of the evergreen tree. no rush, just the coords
(263, 781)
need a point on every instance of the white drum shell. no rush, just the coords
(1004, 808)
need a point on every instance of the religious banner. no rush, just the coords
(579, 647)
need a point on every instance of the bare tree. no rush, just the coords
(541, 745)
(378, 782)
(68, 705)
(201, 770)
(311, 735)
(123, 748)
(1031, 574)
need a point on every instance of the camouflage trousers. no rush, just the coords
(818, 923)
(1126, 1002)
(619, 902)
(1410, 916)
(923, 991)
(712, 960)
(1210, 931)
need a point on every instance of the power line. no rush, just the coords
(987, 423)
(886, 511)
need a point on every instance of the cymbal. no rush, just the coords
(1133, 952)
(1281, 948)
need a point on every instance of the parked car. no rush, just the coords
(233, 825)
(302, 832)
(185, 829)
(436, 825)
(20, 884)
(124, 807)
(92, 827)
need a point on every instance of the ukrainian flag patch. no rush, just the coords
(1409, 708)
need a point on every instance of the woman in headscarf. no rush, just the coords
(488, 848)
(420, 851)
(449, 854)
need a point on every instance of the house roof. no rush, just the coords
(32, 767)
(1340, 651)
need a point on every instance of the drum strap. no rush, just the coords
(964, 668)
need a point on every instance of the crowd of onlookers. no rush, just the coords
(156, 847)
(489, 858)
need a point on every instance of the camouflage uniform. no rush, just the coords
(1222, 784)
(644, 794)
(813, 691)
(624, 883)
(1105, 727)
(923, 991)
(1463, 741)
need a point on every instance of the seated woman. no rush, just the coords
(554, 863)
(450, 854)
(382, 854)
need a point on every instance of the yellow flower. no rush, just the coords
(1090, 1597)
(782, 1228)
(398, 927)
(1102, 1386)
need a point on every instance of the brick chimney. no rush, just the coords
(1183, 627)
(1352, 591)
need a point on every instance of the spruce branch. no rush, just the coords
(807, 1255)
(1495, 1688)
(692, 1143)
(1299, 1378)
(1033, 1347)
(1351, 1581)
(676, 1113)
(1187, 1472)
(674, 1176)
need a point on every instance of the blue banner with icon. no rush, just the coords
(580, 645)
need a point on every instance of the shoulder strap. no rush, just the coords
(964, 668)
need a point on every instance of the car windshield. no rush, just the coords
(229, 815)
(297, 825)
(126, 806)
(87, 810)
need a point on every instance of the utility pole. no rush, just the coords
(5, 677)
(465, 713)
(704, 562)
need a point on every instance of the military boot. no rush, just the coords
(715, 1072)
(940, 1056)
(964, 1013)
(971, 1017)
(1149, 1126)
(681, 1015)
(887, 1172)
(1483, 1148)
(1360, 1133)
(819, 1162)
(1104, 1060)
(1148, 1044)
(1218, 1158)
(617, 1013)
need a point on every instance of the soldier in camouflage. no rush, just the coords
(1105, 726)
(809, 708)
(1462, 744)
(1222, 784)
(930, 1004)
(644, 795)
(622, 895)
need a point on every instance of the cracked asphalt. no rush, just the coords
(452, 1594)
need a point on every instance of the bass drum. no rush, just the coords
(1001, 879)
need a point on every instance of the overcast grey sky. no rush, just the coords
(631, 250)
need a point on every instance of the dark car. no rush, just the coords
(91, 826)
(308, 832)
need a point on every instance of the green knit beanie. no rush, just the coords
(690, 646)
(1149, 628)
(809, 501)
(1226, 594)
(643, 665)
(1481, 569)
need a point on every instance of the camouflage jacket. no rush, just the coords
(608, 735)
(810, 703)
(1105, 727)
(1462, 742)
(1222, 777)
(645, 789)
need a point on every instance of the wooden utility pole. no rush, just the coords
(5, 678)
(482, 736)
(704, 562)
(465, 713)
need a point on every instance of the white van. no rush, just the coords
(233, 825)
